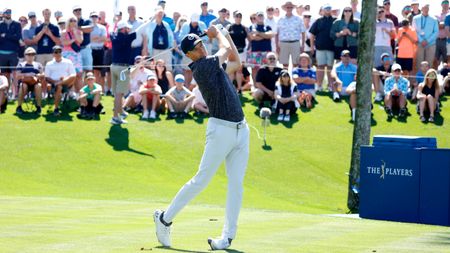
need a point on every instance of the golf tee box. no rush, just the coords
(405, 179)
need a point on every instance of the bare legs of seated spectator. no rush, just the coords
(154, 102)
(3, 93)
(65, 81)
(305, 98)
(398, 100)
(179, 106)
(201, 107)
(351, 91)
(427, 102)
(23, 90)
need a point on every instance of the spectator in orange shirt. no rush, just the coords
(406, 40)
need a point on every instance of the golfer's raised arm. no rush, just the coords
(234, 61)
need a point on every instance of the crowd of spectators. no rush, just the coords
(139, 61)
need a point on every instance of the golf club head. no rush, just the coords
(265, 112)
(122, 75)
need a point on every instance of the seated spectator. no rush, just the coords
(445, 73)
(165, 76)
(428, 95)
(150, 93)
(424, 67)
(199, 105)
(266, 78)
(29, 74)
(395, 89)
(305, 78)
(406, 41)
(342, 75)
(138, 77)
(286, 96)
(179, 99)
(3, 93)
(89, 98)
(379, 75)
(60, 73)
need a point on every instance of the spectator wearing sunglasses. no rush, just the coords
(385, 31)
(344, 32)
(427, 28)
(395, 89)
(29, 31)
(266, 79)
(379, 75)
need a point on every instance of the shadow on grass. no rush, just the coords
(290, 124)
(190, 251)
(118, 139)
(28, 116)
(53, 119)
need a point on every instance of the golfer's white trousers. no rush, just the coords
(227, 141)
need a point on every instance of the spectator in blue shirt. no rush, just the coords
(305, 78)
(395, 89)
(342, 75)
(205, 16)
(427, 28)
(424, 67)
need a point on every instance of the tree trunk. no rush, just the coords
(361, 131)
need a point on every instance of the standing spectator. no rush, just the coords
(205, 16)
(389, 14)
(98, 38)
(415, 8)
(379, 75)
(356, 13)
(3, 93)
(179, 99)
(23, 23)
(239, 34)
(344, 32)
(385, 30)
(441, 42)
(59, 72)
(29, 74)
(10, 36)
(286, 96)
(406, 41)
(265, 81)
(138, 77)
(271, 21)
(160, 39)
(395, 89)
(222, 20)
(167, 19)
(134, 24)
(307, 21)
(71, 39)
(85, 25)
(30, 30)
(305, 78)
(290, 36)
(260, 43)
(58, 15)
(427, 29)
(428, 95)
(121, 50)
(320, 44)
(342, 75)
(62, 24)
(176, 16)
(107, 58)
(405, 13)
(90, 96)
(177, 54)
(197, 27)
(150, 93)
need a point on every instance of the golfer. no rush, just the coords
(227, 135)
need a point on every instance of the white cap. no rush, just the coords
(152, 76)
(123, 24)
(195, 17)
(76, 7)
(396, 66)
(179, 78)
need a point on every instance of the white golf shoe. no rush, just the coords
(218, 244)
(162, 230)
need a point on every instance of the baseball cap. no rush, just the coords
(444, 2)
(123, 24)
(161, 2)
(58, 14)
(189, 42)
(386, 1)
(90, 75)
(7, 11)
(179, 78)
(284, 72)
(151, 76)
(31, 14)
(56, 47)
(223, 10)
(345, 52)
(384, 55)
(326, 6)
(76, 7)
(414, 2)
(61, 21)
(304, 55)
(204, 3)
(195, 18)
(93, 14)
(260, 13)
(396, 66)
(29, 50)
(138, 57)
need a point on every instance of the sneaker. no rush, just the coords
(431, 119)
(162, 230)
(336, 96)
(378, 97)
(19, 110)
(422, 119)
(124, 115)
(56, 112)
(108, 93)
(145, 115)
(389, 112)
(287, 118)
(38, 110)
(402, 113)
(118, 121)
(152, 115)
(280, 117)
(172, 115)
(219, 244)
(353, 114)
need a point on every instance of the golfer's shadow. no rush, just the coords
(118, 138)
(190, 251)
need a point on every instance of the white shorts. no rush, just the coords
(324, 57)
(448, 49)
(243, 56)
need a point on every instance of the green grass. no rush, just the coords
(51, 168)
